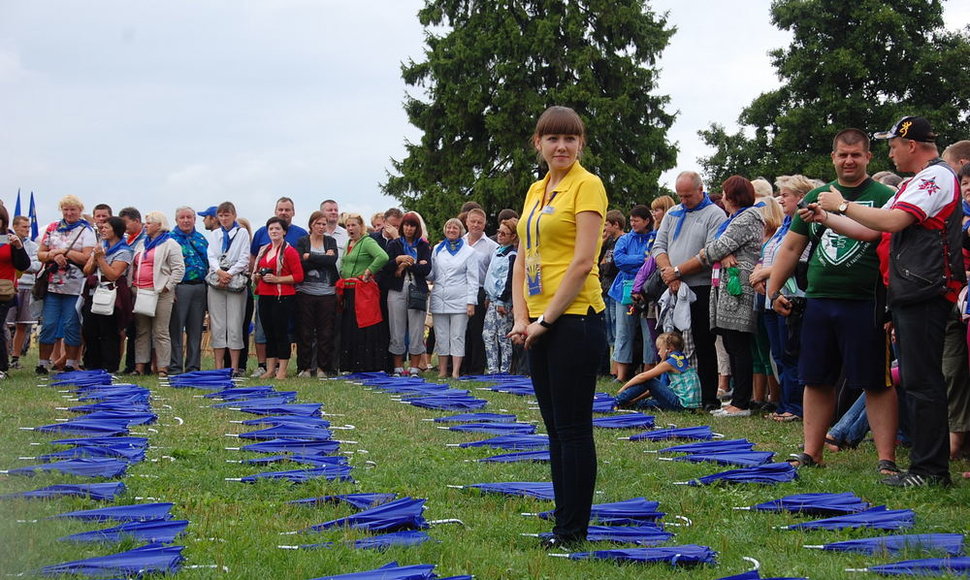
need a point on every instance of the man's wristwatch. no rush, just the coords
(843, 206)
(542, 321)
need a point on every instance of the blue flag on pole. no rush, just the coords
(16, 208)
(32, 214)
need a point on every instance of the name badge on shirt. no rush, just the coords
(533, 272)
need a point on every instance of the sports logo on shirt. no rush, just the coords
(835, 249)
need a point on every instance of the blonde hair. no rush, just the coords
(761, 187)
(512, 224)
(457, 222)
(773, 214)
(353, 216)
(70, 201)
(157, 217)
(672, 339)
(797, 183)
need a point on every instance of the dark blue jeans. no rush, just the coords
(791, 387)
(919, 348)
(563, 364)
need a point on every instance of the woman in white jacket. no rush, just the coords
(228, 259)
(454, 271)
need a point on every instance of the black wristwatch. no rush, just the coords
(774, 296)
(542, 321)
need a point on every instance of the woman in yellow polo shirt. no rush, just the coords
(558, 310)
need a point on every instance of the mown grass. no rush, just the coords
(237, 526)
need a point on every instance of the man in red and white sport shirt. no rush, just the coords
(925, 276)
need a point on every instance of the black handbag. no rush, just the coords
(417, 296)
(654, 287)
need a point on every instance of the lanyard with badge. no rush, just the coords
(533, 262)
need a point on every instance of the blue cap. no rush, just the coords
(210, 212)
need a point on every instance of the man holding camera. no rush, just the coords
(842, 333)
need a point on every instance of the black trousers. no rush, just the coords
(316, 318)
(738, 346)
(563, 364)
(700, 329)
(474, 363)
(102, 341)
(276, 312)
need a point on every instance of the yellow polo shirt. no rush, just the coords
(548, 233)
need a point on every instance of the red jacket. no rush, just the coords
(286, 265)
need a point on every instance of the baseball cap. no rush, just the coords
(209, 212)
(912, 128)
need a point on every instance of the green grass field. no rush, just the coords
(237, 526)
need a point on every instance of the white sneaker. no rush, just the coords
(738, 413)
(258, 372)
(398, 372)
(414, 371)
(304, 374)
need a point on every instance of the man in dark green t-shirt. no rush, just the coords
(842, 333)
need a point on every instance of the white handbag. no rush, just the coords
(103, 299)
(146, 299)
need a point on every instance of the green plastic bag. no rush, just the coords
(734, 282)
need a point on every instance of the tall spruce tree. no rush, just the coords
(492, 67)
(857, 64)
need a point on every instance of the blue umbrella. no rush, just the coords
(328, 472)
(389, 572)
(135, 403)
(327, 446)
(287, 420)
(817, 504)
(114, 392)
(603, 403)
(153, 558)
(755, 575)
(289, 432)
(361, 376)
(129, 417)
(541, 455)
(764, 474)
(82, 427)
(85, 466)
(635, 510)
(419, 388)
(161, 531)
(625, 421)
(317, 460)
(699, 433)
(242, 393)
(536, 489)
(510, 442)
(687, 554)
(877, 517)
(140, 442)
(494, 428)
(711, 446)
(123, 513)
(295, 409)
(926, 567)
(277, 398)
(401, 514)
(448, 403)
(742, 458)
(643, 535)
(107, 491)
(521, 389)
(951, 544)
(404, 538)
(494, 378)
(358, 500)
(437, 391)
(476, 418)
(225, 373)
(124, 452)
(74, 378)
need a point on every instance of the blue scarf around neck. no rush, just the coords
(160, 238)
(226, 240)
(452, 247)
(684, 210)
(724, 225)
(63, 226)
(121, 244)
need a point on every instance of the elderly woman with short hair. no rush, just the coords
(454, 271)
(158, 268)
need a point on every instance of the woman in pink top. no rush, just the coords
(278, 271)
(159, 267)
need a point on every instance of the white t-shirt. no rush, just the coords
(927, 196)
(70, 280)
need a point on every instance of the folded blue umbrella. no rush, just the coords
(389, 572)
(541, 455)
(878, 517)
(360, 376)
(295, 409)
(360, 501)
(687, 554)
(816, 504)
(625, 421)
(287, 420)
(768, 473)
(401, 514)
(302, 446)
(328, 472)
(107, 491)
(160, 531)
(604, 403)
(242, 393)
(950, 544)
(699, 433)
(536, 489)
(140, 442)
(225, 373)
(85, 467)
(129, 417)
(123, 452)
(123, 513)
(277, 398)
(643, 535)
(135, 403)
(317, 460)
(755, 575)
(476, 418)
(635, 511)
(418, 388)
(85, 427)
(448, 403)
(511, 442)
(926, 567)
(741, 458)
(522, 389)
(494, 377)
(404, 538)
(495, 428)
(76, 378)
(437, 391)
(710, 446)
(150, 559)
(114, 393)
(289, 432)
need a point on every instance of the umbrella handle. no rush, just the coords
(755, 563)
(449, 521)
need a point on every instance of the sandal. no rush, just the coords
(797, 460)
(887, 467)
(786, 418)
(833, 444)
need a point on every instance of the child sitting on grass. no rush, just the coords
(672, 385)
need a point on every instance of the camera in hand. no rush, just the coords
(264, 271)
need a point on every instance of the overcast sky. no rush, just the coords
(161, 104)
